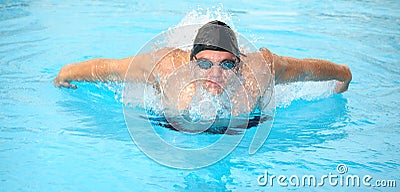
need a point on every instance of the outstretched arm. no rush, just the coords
(105, 70)
(288, 69)
(92, 71)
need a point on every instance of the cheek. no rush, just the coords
(228, 74)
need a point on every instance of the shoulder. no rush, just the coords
(169, 59)
(267, 54)
(279, 64)
(259, 62)
(269, 57)
(257, 72)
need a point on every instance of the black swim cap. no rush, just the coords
(217, 36)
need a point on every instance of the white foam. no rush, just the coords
(311, 90)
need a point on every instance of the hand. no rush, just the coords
(63, 78)
(58, 82)
(341, 87)
(346, 76)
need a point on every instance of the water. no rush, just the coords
(76, 140)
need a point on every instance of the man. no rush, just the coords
(216, 57)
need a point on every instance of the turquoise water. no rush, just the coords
(76, 140)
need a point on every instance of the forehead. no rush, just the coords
(216, 55)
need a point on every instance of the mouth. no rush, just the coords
(211, 83)
(213, 87)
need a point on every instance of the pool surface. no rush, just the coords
(76, 140)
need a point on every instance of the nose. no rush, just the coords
(215, 73)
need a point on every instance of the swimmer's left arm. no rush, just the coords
(288, 69)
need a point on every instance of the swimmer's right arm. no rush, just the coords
(93, 70)
(107, 70)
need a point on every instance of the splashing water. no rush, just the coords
(196, 18)
(201, 16)
(312, 90)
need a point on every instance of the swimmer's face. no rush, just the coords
(216, 77)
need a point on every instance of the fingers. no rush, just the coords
(63, 84)
(67, 85)
(341, 87)
(343, 84)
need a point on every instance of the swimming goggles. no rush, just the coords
(207, 64)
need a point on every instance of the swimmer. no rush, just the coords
(215, 53)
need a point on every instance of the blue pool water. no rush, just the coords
(76, 140)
